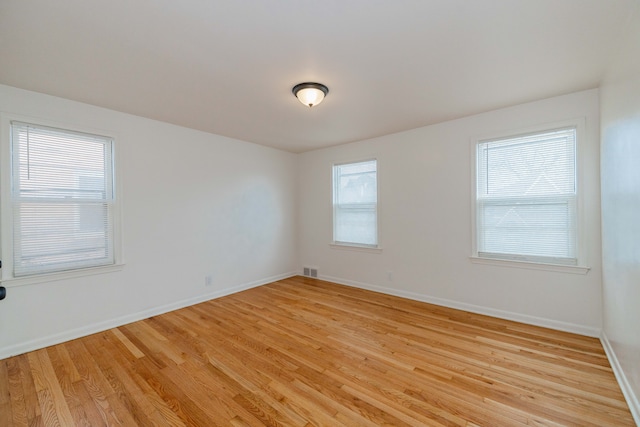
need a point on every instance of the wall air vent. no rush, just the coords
(310, 271)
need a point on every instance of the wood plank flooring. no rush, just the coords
(303, 352)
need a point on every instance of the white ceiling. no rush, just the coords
(228, 66)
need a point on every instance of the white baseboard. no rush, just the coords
(625, 386)
(72, 334)
(501, 314)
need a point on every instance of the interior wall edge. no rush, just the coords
(625, 385)
(487, 311)
(40, 343)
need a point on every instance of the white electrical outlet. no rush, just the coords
(390, 276)
(208, 280)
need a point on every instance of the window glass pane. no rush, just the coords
(529, 229)
(531, 165)
(356, 226)
(526, 196)
(355, 203)
(54, 237)
(62, 195)
(357, 183)
(49, 163)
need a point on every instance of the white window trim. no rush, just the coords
(582, 263)
(349, 245)
(61, 275)
(355, 247)
(6, 218)
(561, 268)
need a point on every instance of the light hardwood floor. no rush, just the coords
(303, 352)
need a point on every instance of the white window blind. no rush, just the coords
(355, 203)
(62, 196)
(526, 197)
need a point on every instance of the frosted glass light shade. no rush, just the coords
(310, 94)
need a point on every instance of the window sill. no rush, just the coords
(62, 275)
(573, 269)
(355, 247)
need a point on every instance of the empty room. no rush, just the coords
(320, 213)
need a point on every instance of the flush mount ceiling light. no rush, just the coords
(310, 94)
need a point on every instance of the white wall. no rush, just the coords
(194, 204)
(425, 221)
(620, 169)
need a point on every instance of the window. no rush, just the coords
(62, 197)
(526, 197)
(355, 203)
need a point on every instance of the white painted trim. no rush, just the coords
(60, 275)
(39, 343)
(501, 314)
(625, 386)
(355, 247)
(573, 269)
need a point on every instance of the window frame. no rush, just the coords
(521, 262)
(7, 277)
(363, 247)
